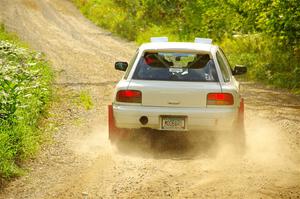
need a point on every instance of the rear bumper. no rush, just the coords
(218, 118)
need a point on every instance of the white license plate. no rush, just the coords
(173, 123)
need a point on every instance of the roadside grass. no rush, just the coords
(86, 100)
(11, 37)
(82, 99)
(25, 92)
(268, 60)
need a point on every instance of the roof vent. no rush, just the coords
(159, 39)
(203, 40)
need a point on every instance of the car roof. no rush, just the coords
(177, 46)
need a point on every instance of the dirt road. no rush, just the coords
(82, 161)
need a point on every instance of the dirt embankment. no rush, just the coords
(81, 160)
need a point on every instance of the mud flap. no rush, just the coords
(112, 130)
(240, 137)
(114, 133)
(241, 113)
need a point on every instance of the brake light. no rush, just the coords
(130, 96)
(220, 99)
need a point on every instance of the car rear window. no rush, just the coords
(173, 66)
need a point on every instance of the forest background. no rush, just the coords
(264, 35)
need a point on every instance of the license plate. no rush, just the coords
(173, 123)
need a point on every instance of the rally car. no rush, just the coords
(177, 86)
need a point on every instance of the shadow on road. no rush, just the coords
(170, 145)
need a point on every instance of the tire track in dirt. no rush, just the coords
(198, 166)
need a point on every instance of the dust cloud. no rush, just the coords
(266, 145)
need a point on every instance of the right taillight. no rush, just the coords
(130, 96)
(219, 99)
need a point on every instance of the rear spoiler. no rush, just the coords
(166, 39)
(159, 39)
(203, 40)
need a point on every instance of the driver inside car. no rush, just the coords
(153, 65)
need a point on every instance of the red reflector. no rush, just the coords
(220, 99)
(131, 96)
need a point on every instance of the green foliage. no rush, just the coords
(12, 38)
(278, 18)
(86, 100)
(25, 79)
(266, 60)
(269, 30)
(180, 19)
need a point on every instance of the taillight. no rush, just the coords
(220, 99)
(130, 96)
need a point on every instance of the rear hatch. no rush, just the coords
(174, 93)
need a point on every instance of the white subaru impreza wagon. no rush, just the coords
(177, 86)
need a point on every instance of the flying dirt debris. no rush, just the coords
(83, 163)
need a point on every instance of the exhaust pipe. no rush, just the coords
(144, 120)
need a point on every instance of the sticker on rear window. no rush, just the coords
(175, 70)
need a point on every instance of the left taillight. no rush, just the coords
(129, 96)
